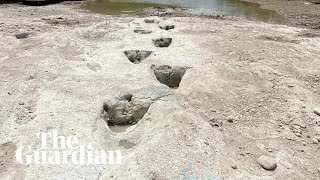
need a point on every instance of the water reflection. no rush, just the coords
(238, 8)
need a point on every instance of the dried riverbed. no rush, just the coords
(207, 96)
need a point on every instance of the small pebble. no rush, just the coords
(22, 35)
(267, 163)
(230, 120)
(234, 167)
(308, 136)
(315, 141)
(298, 134)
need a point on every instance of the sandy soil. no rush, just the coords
(299, 12)
(250, 89)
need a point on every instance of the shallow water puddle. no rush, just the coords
(238, 8)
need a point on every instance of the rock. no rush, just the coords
(234, 167)
(317, 112)
(315, 141)
(142, 31)
(230, 119)
(21, 103)
(267, 163)
(298, 135)
(22, 35)
(213, 110)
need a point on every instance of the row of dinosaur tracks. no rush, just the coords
(127, 111)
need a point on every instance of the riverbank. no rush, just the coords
(299, 12)
(216, 94)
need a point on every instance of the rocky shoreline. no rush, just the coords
(302, 13)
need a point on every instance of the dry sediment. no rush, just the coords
(251, 90)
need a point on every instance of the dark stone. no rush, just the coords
(22, 35)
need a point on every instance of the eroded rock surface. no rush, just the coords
(124, 112)
(162, 42)
(170, 76)
(136, 56)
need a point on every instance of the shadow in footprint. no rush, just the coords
(166, 26)
(170, 76)
(162, 42)
(150, 21)
(124, 113)
(136, 56)
(142, 31)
